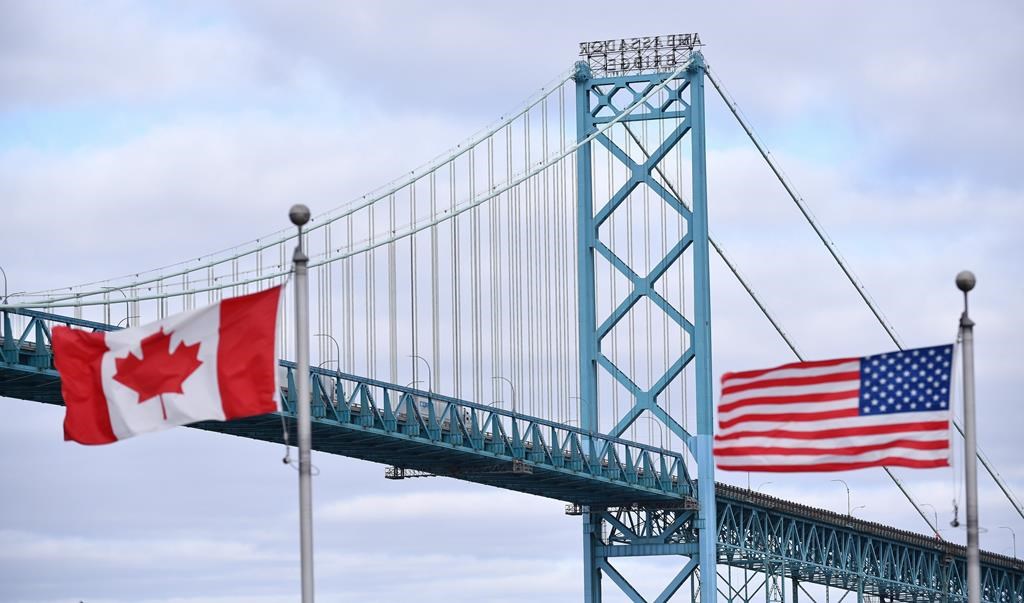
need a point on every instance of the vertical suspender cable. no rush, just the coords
(613, 228)
(665, 349)
(631, 262)
(456, 304)
(371, 299)
(350, 304)
(434, 285)
(392, 293)
(562, 394)
(474, 290)
(413, 272)
(528, 272)
(562, 352)
(494, 236)
(412, 286)
(544, 215)
(569, 238)
(515, 291)
(649, 338)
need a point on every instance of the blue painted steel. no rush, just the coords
(598, 101)
(368, 419)
(810, 545)
(586, 238)
(702, 446)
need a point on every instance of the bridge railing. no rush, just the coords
(26, 336)
(393, 409)
(370, 403)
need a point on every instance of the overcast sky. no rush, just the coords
(133, 135)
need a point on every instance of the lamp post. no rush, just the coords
(1014, 536)
(857, 507)
(127, 309)
(762, 486)
(337, 347)
(661, 428)
(847, 486)
(510, 384)
(125, 320)
(3, 272)
(934, 512)
(430, 383)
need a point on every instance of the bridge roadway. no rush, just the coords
(629, 483)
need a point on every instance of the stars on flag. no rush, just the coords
(915, 380)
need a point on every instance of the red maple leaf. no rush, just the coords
(159, 371)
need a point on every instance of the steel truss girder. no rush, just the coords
(370, 419)
(814, 546)
(777, 540)
(599, 101)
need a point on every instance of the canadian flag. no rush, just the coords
(217, 362)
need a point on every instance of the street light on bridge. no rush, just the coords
(847, 486)
(510, 384)
(337, 346)
(1014, 535)
(127, 307)
(934, 512)
(430, 383)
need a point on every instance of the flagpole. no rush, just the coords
(299, 215)
(965, 281)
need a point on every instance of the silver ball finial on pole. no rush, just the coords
(299, 214)
(965, 280)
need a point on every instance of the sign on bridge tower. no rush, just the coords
(640, 102)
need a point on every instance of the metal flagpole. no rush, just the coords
(965, 282)
(299, 215)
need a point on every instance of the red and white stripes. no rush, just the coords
(806, 416)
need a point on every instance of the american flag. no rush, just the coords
(832, 415)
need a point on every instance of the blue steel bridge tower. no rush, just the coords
(627, 83)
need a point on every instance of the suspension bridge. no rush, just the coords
(531, 311)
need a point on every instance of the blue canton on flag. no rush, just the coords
(909, 381)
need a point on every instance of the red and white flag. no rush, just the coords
(217, 362)
(886, 410)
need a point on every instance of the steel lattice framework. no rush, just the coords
(599, 101)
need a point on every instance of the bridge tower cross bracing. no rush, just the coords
(647, 531)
